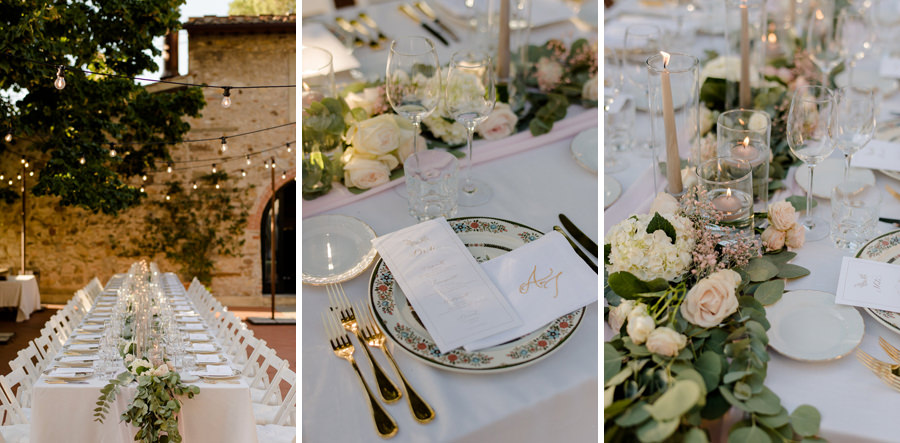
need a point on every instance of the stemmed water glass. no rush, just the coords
(413, 80)
(853, 121)
(823, 39)
(858, 33)
(470, 97)
(808, 128)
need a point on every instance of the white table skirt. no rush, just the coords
(220, 413)
(555, 398)
(20, 291)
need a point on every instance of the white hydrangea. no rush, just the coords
(453, 133)
(650, 256)
(462, 85)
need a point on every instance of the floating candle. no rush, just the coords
(748, 152)
(728, 205)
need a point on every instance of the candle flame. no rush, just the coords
(746, 141)
(666, 57)
(728, 192)
(773, 38)
(741, 121)
(819, 15)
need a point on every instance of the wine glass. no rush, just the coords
(618, 113)
(413, 80)
(853, 121)
(808, 126)
(858, 33)
(470, 96)
(823, 39)
(641, 42)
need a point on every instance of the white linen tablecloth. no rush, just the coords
(855, 405)
(20, 291)
(555, 397)
(220, 413)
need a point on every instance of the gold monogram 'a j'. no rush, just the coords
(541, 282)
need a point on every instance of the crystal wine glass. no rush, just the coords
(470, 96)
(823, 39)
(413, 80)
(808, 124)
(857, 29)
(618, 114)
(853, 121)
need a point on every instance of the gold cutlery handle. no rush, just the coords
(388, 390)
(384, 423)
(421, 411)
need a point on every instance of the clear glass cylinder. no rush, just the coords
(746, 37)
(486, 38)
(674, 110)
(745, 135)
(317, 75)
(727, 183)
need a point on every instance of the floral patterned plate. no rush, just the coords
(885, 248)
(486, 238)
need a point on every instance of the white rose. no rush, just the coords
(549, 73)
(500, 123)
(376, 136)
(161, 371)
(773, 239)
(664, 203)
(618, 315)
(782, 215)
(665, 341)
(406, 147)
(758, 121)
(639, 326)
(389, 160)
(795, 236)
(369, 100)
(364, 174)
(712, 299)
(591, 89)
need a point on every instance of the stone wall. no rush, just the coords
(69, 246)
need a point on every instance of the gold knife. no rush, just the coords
(577, 249)
(422, 6)
(411, 13)
(345, 25)
(373, 41)
(371, 23)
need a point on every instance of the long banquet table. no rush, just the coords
(855, 405)
(64, 412)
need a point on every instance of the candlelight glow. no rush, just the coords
(728, 192)
(746, 141)
(773, 38)
(819, 15)
(666, 57)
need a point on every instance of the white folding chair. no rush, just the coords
(14, 425)
(280, 413)
(83, 300)
(12, 386)
(28, 362)
(48, 343)
(269, 372)
(240, 347)
(284, 426)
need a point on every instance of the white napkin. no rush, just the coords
(92, 327)
(189, 319)
(316, 34)
(543, 280)
(215, 370)
(199, 337)
(452, 296)
(208, 358)
(68, 372)
(202, 347)
(87, 337)
(84, 347)
(77, 358)
(191, 327)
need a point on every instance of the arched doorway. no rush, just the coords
(285, 238)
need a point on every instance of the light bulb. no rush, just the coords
(31, 173)
(167, 197)
(243, 174)
(289, 147)
(81, 160)
(267, 165)
(214, 168)
(217, 186)
(8, 137)
(112, 152)
(144, 177)
(23, 159)
(195, 185)
(18, 176)
(224, 145)
(283, 175)
(60, 82)
(26, 165)
(10, 182)
(1, 177)
(142, 189)
(169, 168)
(226, 98)
(248, 159)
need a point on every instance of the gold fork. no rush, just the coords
(343, 348)
(340, 303)
(421, 411)
(877, 366)
(891, 351)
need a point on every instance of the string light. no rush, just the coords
(31, 173)
(194, 185)
(2, 178)
(112, 150)
(267, 165)
(23, 159)
(243, 174)
(226, 97)
(60, 82)
(283, 175)
(144, 177)
(8, 137)
(169, 168)
(217, 186)
(289, 146)
(26, 165)
(10, 182)
(81, 160)
(142, 189)
(18, 176)
(248, 159)
(214, 168)
(224, 145)
(167, 197)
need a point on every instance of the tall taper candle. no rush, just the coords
(503, 44)
(673, 160)
(745, 100)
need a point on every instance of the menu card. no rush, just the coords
(450, 292)
(878, 154)
(543, 280)
(869, 284)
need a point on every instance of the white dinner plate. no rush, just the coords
(612, 189)
(808, 326)
(585, 147)
(885, 248)
(336, 248)
(891, 134)
(486, 238)
(829, 174)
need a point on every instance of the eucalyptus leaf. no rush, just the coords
(732, 377)
(634, 416)
(749, 434)
(709, 365)
(770, 292)
(681, 396)
(760, 269)
(788, 270)
(799, 202)
(612, 361)
(805, 420)
(627, 286)
(656, 431)
(766, 402)
(776, 420)
(619, 378)
(695, 435)
(781, 257)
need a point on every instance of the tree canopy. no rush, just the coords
(262, 7)
(56, 129)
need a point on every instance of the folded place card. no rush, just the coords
(878, 154)
(543, 280)
(869, 284)
(451, 293)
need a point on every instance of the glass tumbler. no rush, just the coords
(431, 184)
(854, 214)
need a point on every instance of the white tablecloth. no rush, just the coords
(855, 405)
(553, 398)
(20, 291)
(64, 413)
